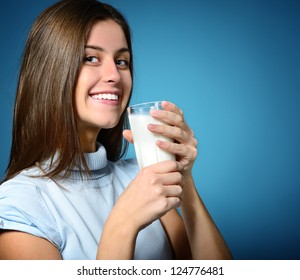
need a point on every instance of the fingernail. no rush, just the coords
(154, 112)
(151, 126)
(159, 142)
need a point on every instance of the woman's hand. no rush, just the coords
(156, 190)
(184, 146)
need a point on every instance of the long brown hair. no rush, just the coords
(44, 115)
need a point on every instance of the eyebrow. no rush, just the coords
(121, 50)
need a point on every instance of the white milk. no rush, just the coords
(146, 150)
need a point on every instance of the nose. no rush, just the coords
(110, 72)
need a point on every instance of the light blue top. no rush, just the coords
(72, 215)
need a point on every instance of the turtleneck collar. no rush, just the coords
(96, 160)
(99, 170)
(97, 163)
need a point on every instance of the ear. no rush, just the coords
(127, 134)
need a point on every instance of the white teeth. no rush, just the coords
(106, 96)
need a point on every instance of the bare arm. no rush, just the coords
(204, 237)
(175, 230)
(196, 235)
(16, 245)
(119, 242)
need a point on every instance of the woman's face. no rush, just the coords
(104, 81)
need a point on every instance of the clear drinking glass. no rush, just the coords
(146, 150)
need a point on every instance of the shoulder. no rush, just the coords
(18, 188)
(22, 208)
(24, 188)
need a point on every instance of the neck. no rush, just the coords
(88, 139)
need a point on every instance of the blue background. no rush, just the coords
(233, 67)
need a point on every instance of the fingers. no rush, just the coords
(169, 197)
(175, 126)
(184, 151)
(168, 106)
(173, 191)
(127, 134)
(174, 117)
(178, 134)
(172, 202)
(165, 178)
(173, 178)
(166, 204)
(164, 167)
(160, 191)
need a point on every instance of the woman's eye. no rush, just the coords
(122, 63)
(91, 59)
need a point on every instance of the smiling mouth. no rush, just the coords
(105, 96)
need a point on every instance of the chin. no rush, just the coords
(109, 125)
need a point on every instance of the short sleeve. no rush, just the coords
(22, 209)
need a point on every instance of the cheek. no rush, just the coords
(84, 83)
(127, 83)
(79, 95)
(85, 78)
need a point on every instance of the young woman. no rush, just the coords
(67, 193)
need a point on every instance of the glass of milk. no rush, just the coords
(146, 150)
